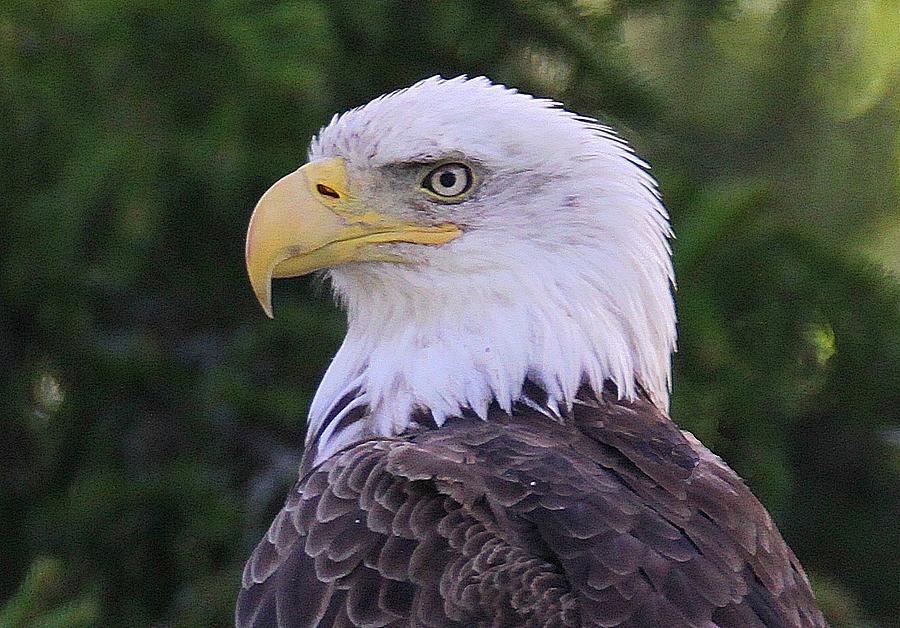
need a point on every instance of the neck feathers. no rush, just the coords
(467, 341)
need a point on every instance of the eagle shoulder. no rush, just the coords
(611, 518)
(368, 539)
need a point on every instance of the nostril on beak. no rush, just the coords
(325, 190)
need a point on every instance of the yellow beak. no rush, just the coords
(310, 220)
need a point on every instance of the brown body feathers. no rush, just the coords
(613, 517)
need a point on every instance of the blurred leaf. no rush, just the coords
(41, 601)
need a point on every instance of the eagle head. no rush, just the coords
(479, 239)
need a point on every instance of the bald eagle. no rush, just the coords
(490, 445)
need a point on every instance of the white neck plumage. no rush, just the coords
(447, 341)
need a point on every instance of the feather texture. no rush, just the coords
(613, 517)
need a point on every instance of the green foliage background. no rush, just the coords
(152, 418)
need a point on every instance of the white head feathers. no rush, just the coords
(563, 273)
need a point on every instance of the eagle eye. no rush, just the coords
(448, 181)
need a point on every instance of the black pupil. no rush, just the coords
(447, 179)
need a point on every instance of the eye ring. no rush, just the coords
(449, 181)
